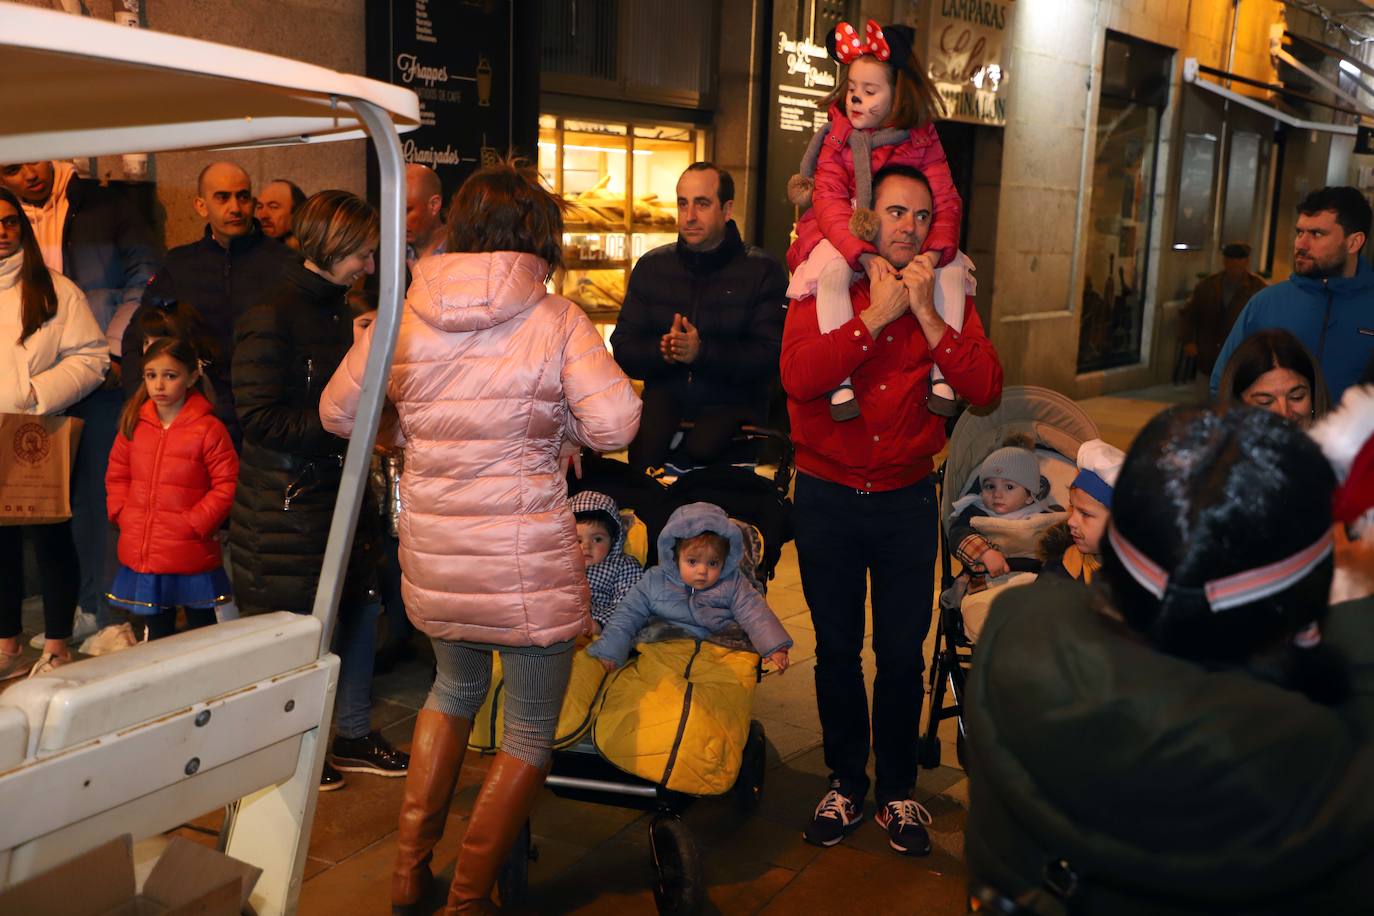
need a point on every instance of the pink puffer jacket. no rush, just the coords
(491, 375)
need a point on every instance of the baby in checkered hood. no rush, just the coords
(611, 572)
(1009, 486)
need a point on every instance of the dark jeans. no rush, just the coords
(355, 641)
(844, 539)
(52, 547)
(704, 443)
(95, 538)
(164, 623)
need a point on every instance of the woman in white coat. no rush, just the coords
(52, 354)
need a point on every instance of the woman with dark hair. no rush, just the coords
(1273, 371)
(495, 380)
(52, 354)
(285, 349)
(1195, 738)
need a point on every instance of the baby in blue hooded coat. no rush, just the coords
(697, 586)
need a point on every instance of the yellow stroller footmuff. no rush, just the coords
(584, 689)
(678, 715)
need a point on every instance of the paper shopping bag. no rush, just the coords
(36, 455)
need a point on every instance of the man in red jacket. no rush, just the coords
(865, 507)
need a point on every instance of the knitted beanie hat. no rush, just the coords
(1013, 463)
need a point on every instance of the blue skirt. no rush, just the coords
(151, 593)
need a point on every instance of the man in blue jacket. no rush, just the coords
(1328, 303)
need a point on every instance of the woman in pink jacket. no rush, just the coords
(493, 379)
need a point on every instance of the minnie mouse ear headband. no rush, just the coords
(1346, 437)
(1098, 466)
(891, 45)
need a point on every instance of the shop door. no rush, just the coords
(1135, 82)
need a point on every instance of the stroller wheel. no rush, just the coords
(748, 790)
(513, 880)
(678, 886)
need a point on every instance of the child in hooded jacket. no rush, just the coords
(880, 115)
(169, 486)
(611, 572)
(697, 586)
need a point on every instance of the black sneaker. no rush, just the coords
(369, 754)
(836, 816)
(905, 822)
(330, 778)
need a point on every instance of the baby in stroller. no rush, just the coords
(697, 587)
(1010, 486)
(611, 571)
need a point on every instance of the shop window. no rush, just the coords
(580, 38)
(1135, 81)
(660, 51)
(1246, 161)
(620, 182)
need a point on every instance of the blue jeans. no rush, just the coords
(355, 642)
(93, 536)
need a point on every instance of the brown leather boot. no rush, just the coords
(503, 805)
(436, 757)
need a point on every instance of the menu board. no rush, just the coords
(801, 76)
(459, 57)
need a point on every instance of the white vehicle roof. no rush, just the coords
(88, 87)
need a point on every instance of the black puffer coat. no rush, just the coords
(1169, 788)
(735, 295)
(220, 284)
(285, 350)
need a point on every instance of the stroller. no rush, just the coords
(1059, 427)
(579, 771)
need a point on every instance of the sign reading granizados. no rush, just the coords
(967, 51)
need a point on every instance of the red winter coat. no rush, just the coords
(833, 193)
(169, 490)
(890, 444)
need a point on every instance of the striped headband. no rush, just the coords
(1230, 591)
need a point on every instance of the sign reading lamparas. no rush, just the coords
(967, 47)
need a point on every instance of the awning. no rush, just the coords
(1193, 72)
(88, 87)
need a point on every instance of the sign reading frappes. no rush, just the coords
(967, 47)
(457, 57)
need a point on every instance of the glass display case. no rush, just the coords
(620, 181)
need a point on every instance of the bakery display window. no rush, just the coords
(620, 182)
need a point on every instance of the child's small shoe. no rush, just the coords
(942, 400)
(843, 404)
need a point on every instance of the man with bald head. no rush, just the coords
(230, 268)
(425, 229)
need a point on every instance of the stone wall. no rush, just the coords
(335, 40)
(1046, 192)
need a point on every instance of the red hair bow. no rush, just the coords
(849, 47)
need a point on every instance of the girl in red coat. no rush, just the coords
(169, 485)
(880, 114)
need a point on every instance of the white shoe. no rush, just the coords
(47, 663)
(111, 639)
